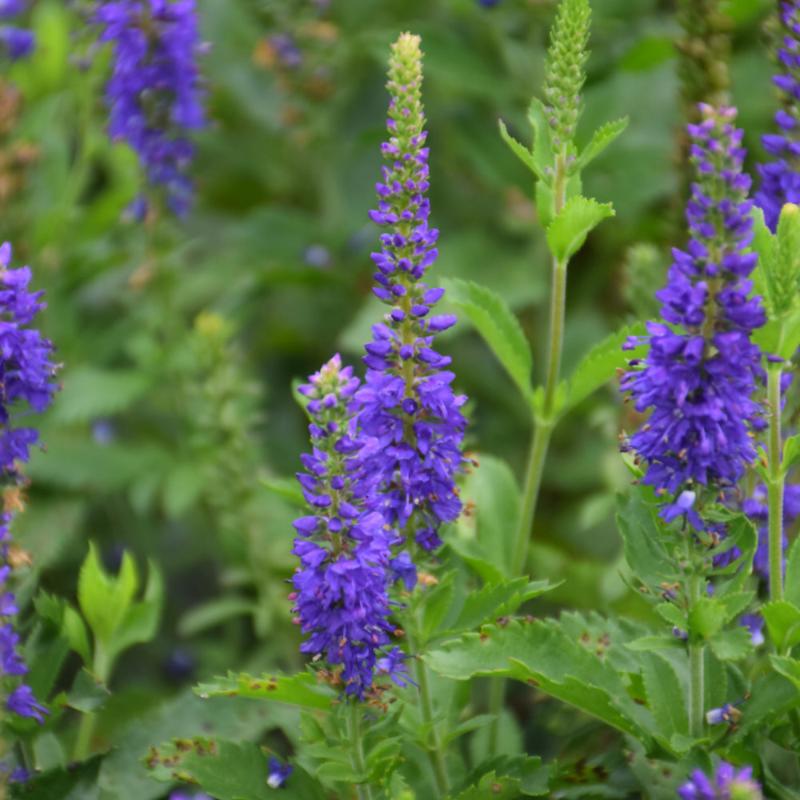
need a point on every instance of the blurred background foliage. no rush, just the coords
(177, 434)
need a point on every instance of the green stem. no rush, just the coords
(775, 484)
(497, 693)
(696, 669)
(83, 743)
(357, 749)
(435, 751)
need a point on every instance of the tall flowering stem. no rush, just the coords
(409, 410)
(775, 482)
(780, 177)
(408, 406)
(564, 79)
(26, 384)
(154, 94)
(702, 369)
(341, 588)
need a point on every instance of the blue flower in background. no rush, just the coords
(154, 94)
(726, 783)
(780, 178)
(16, 42)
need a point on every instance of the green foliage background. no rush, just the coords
(177, 428)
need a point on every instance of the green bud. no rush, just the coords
(564, 70)
(405, 88)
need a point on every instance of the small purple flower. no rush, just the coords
(727, 713)
(755, 625)
(23, 702)
(780, 177)
(183, 794)
(286, 50)
(278, 773)
(727, 783)
(408, 409)
(154, 93)
(701, 372)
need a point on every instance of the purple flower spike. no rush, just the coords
(408, 408)
(701, 371)
(154, 94)
(26, 384)
(345, 549)
(780, 177)
(727, 783)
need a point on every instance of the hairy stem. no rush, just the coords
(357, 749)
(435, 751)
(696, 669)
(775, 484)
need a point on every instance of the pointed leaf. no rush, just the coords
(302, 689)
(665, 696)
(520, 151)
(602, 138)
(498, 326)
(600, 365)
(568, 231)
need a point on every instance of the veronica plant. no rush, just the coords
(154, 96)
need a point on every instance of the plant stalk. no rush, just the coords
(696, 670)
(775, 484)
(435, 752)
(357, 749)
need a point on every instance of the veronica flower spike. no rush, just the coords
(341, 588)
(780, 177)
(702, 369)
(408, 407)
(15, 42)
(26, 383)
(154, 94)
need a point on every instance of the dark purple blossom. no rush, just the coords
(727, 783)
(701, 370)
(345, 549)
(408, 409)
(780, 177)
(154, 94)
(278, 773)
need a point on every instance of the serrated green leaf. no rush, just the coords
(568, 231)
(507, 778)
(542, 150)
(487, 533)
(731, 645)
(788, 667)
(497, 600)
(602, 138)
(644, 550)
(666, 697)
(520, 151)
(498, 326)
(302, 689)
(438, 602)
(228, 770)
(706, 617)
(783, 623)
(672, 614)
(652, 644)
(540, 653)
(599, 366)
